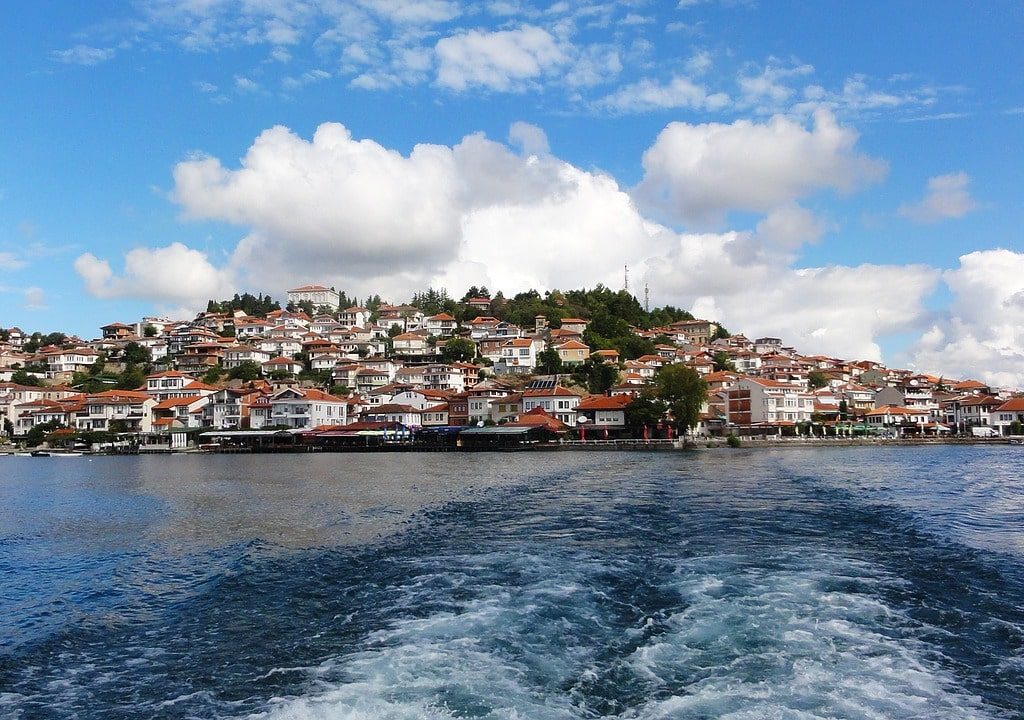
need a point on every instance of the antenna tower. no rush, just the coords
(647, 298)
(627, 278)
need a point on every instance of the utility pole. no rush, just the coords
(627, 278)
(647, 298)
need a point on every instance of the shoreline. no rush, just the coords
(573, 446)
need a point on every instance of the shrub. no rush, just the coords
(733, 441)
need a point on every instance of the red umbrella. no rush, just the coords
(583, 432)
(605, 432)
(647, 434)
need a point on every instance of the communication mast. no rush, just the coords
(647, 298)
(627, 278)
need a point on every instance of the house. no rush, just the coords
(410, 345)
(1003, 417)
(295, 407)
(891, 416)
(481, 399)
(235, 355)
(117, 411)
(605, 412)
(290, 366)
(230, 408)
(693, 332)
(576, 325)
(519, 356)
(479, 303)
(117, 331)
(611, 356)
(407, 415)
(167, 384)
(280, 346)
(71, 361)
(972, 411)
(444, 377)
(758, 400)
(404, 317)
(354, 316)
(557, 401)
(573, 352)
(316, 294)
(441, 325)
(178, 413)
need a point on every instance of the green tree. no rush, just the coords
(723, 361)
(1015, 427)
(213, 375)
(38, 433)
(148, 330)
(135, 354)
(816, 379)
(458, 350)
(549, 362)
(597, 376)
(247, 370)
(647, 410)
(22, 377)
(8, 428)
(844, 410)
(131, 378)
(684, 391)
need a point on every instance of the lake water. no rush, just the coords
(804, 583)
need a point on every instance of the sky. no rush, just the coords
(844, 175)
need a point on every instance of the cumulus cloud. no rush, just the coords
(10, 261)
(833, 310)
(35, 298)
(790, 226)
(171, 274)
(502, 60)
(83, 55)
(982, 332)
(352, 213)
(679, 92)
(698, 173)
(947, 197)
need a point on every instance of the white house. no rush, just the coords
(557, 401)
(354, 316)
(441, 325)
(130, 410)
(1004, 416)
(519, 355)
(316, 294)
(69, 361)
(300, 408)
(235, 355)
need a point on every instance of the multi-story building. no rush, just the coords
(319, 295)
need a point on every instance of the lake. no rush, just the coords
(802, 583)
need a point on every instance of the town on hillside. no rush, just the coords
(481, 371)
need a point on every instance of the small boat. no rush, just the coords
(69, 453)
(39, 453)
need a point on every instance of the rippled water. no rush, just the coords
(818, 583)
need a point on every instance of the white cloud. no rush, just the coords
(790, 226)
(982, 332)
(699, 173)
(415, 11)
(10, 261)
(352, 213)
(83, 55)
(532, 139)
(171, 274)
(750, 288)
(947, 197)
(503, 60)
(679, 92)
(35, 298)
(246, 85)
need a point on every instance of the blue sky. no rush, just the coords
(845, 174)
